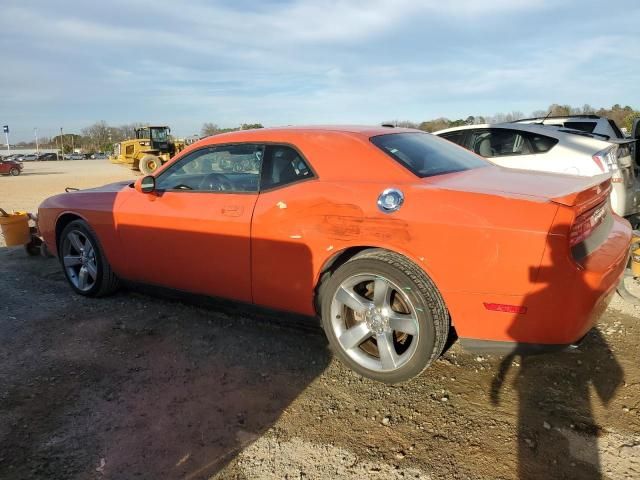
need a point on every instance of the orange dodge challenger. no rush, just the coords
(393, 236)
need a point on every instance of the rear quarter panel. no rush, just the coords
(466, 242)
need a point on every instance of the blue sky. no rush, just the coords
(71, 63)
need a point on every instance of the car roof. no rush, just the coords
(364, 130)
(578, 116)
(527, 127)
(547, 130)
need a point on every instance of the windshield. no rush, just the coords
(159, 135)
(427, 155)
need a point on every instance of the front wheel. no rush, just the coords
(15, 171)
(149, 164)
(83, 261)
(383, 316)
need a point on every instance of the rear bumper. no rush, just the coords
(567, 299)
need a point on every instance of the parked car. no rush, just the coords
(74, 156)
(558, 150)
(31, 157)
(10, 167)
(368, 227)
(586, 123)
(99, 156)
(48, 157)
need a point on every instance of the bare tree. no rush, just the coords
(96, 136)
(209, 128)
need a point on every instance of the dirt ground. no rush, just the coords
(140, 386)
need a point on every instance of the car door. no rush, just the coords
(282, 263)
(193, 232)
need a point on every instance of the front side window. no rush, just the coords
(227, 168)
(455, 137)
(427, 155)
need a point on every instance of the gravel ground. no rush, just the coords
(140, 386)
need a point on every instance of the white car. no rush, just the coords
(586, 123)
(560, 150)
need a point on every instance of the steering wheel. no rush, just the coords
(216, 182)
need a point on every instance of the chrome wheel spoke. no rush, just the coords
(381, 293)
(404, 323)
(388, 356)
(82, 278)
(72, 260)
(91, 269)
(351, 299)
(354, 336)
(76, 242)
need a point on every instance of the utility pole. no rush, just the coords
(6, 134)
(61, 144)
(35, 131)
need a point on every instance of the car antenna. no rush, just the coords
(541, 122)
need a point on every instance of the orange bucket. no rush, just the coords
(15, 228)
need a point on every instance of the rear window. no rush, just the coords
(427, 155)
(584, 126)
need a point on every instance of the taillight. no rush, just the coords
(607, 159)
(585, 223)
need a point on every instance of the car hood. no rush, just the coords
(110, 187)
(540, 186)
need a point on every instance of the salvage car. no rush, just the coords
(10, 167)
(371, 228)
(560, 150)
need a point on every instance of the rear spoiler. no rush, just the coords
(587, 193)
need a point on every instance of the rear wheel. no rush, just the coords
(15, 171)
(149, 164)
(383, 316)
(83, 261)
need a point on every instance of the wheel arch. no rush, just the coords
(339, 258)
(62, 221)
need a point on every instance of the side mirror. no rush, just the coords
(146, 184)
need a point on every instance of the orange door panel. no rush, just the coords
(193, 241)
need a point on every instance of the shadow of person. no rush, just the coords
(557, 433)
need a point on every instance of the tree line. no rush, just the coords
(101, 137)
(623, 116)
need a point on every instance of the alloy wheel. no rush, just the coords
(374, 322)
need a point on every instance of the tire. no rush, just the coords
(99, 277)
(149, 164)
(408, 317)
(14, 172)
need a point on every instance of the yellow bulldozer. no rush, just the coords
(152, 146)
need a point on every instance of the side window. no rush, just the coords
(588, 127)
(541, 143)
(283, 165)
(226, 168)
(455, 137)
(498, 142)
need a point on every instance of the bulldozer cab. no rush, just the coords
(158, 137)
